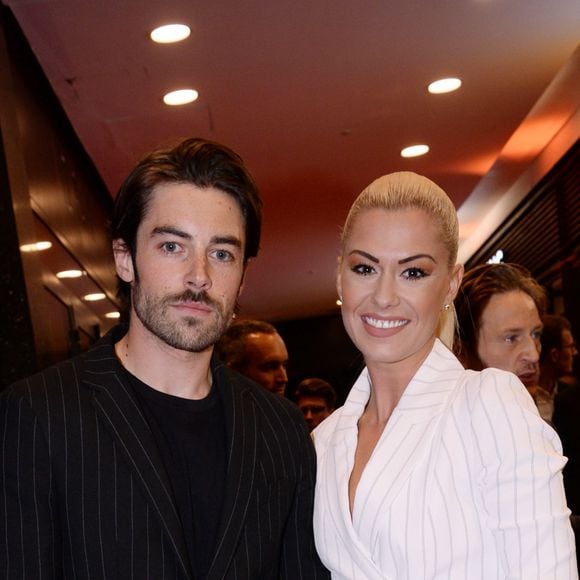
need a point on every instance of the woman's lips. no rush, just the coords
(383, 327)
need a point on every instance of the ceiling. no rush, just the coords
(319, 98)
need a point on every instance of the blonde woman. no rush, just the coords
(429, 470)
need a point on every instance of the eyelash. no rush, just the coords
(363, 269)
(413, 273)
(418, 273)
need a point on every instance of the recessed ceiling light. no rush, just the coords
(113, 315)
(94, 297)
(69, 274)
(170, 33)
(36, 247)
(415, 151)
(444, 86)
(180, 97)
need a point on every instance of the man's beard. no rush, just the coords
(188, 333)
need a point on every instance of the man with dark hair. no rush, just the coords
(316, 399)
(146, 457)
(498, 314)
(255, 349)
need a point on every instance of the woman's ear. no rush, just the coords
(339, 277)
(454, 283)
(123, 261)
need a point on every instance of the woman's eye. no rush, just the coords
(414, 273)
(362, 269)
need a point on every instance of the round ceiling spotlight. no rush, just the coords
(415, 151)
(180, 97)
(441, 86)
(113, 315)
(170, 33)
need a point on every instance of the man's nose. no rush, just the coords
(197, 275)
(532, 349)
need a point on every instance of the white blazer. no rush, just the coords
(464, 483)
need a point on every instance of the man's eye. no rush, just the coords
(511, 338)
(362, 269)
(414, 273)
(170, 247)
(223, 255)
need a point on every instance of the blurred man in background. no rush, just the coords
(316, 399)
(499, 308)
(256, 350)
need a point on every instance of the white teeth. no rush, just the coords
(384, 323)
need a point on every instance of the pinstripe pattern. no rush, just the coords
(464, 483)
(85, 495)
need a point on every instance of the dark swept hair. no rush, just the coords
(197, 161)
(315, 387)
(554, 326)
(231, 348)
(478, 286)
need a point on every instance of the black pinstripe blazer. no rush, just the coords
(85, 493)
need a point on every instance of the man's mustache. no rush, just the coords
(201, 297)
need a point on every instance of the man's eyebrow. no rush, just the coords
(164, 230)
(231, 240)
(173, 231)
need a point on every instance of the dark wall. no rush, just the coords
(320, 347)
(45, 174)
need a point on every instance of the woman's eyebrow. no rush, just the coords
(416, 257)
(365, 255)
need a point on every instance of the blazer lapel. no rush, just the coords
(242, 444)
(115, 403)
(408, 438)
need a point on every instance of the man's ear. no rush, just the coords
(123, 261)
(554, 355)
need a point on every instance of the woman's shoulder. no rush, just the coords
(495, 396)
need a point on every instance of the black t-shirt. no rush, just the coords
(190, 435)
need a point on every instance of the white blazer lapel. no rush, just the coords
(333, 475)
(406, 441)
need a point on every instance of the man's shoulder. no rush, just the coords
(61, 378)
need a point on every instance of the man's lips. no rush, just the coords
(528, 377)
(193, 307)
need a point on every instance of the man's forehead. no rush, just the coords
(512, 311)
